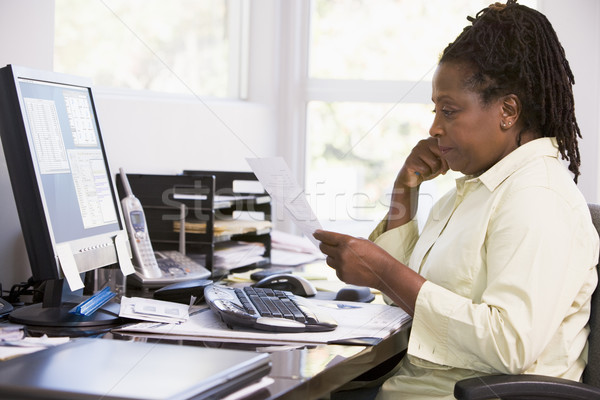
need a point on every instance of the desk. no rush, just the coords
(310, 372)
(305, 373)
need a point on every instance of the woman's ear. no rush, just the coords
(511, 110)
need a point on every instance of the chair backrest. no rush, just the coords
(591, 375)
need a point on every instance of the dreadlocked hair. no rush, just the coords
(515, 50)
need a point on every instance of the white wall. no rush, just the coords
(151, 135)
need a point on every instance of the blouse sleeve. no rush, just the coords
(399, 242)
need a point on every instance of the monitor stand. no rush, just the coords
(54, 311)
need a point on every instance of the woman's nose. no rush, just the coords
(436, 129)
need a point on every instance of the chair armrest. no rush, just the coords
(523, 386)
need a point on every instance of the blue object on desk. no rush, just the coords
(92, 304)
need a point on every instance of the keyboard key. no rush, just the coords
(311, 318)
(272, 308)
(287, 314)
(298, 315)
(260, 306)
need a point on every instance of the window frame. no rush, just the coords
(300, 89)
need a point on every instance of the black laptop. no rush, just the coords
(116, 369)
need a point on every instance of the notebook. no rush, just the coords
(107, 369)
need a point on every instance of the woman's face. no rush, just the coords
(469, 134)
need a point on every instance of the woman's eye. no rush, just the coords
(448, 113)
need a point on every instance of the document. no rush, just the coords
(275, 176)
(292, 258)
(239, 254)
(358, 323)
(153, 310)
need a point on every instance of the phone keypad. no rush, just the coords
(146, 253)
(176, 263)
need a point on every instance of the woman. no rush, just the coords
(500, 278)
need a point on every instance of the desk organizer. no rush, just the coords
(208, 204)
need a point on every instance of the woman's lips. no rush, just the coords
(444, 150)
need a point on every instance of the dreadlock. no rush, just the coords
(515, 50)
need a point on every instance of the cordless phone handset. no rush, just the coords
(141, 247)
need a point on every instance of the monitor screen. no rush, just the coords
(69, 160)
(69, 213)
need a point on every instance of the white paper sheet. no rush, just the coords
(153, 310)
(292, 258)
(123, 253)
(274, 174)
(69, 266)
(358, 323)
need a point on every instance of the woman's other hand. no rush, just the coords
(424, 163)
(356, 261)
(361, 262)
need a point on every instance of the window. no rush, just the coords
(369, 89)
(180, 46)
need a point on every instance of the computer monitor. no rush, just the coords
(65, 197)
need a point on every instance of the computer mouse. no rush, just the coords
(181, 292)
(291, 283)
(355, 293)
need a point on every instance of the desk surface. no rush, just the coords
(305, 373)
(301, 372)
(308, 372)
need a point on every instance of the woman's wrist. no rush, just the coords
(403, 205)
(400, 283)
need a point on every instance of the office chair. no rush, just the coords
(544, 387)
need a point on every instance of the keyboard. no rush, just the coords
(266, 309)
